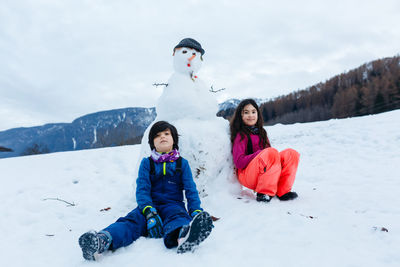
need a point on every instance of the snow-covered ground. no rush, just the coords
(349, 193)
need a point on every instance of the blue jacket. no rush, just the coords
(160, 189)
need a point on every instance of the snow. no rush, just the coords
(94, 136)
(365, 75)
(368, 68)
(348, 186)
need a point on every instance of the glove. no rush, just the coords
(194, 213)
(154, 223)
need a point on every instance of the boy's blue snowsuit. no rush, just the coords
(163, 191)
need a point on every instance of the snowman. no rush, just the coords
(188, 104)
(186, 95)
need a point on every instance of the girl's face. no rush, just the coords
(249, 115)
(163, 141)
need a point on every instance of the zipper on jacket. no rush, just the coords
(164, 169)
(163, 177)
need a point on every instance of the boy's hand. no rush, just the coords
(154, 223)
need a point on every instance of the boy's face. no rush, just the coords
(163, 141)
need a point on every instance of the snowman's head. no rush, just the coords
(187, 60)
(188, 55)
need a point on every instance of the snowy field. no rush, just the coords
(347, 213)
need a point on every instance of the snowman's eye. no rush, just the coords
(184, 52)
(193, 53)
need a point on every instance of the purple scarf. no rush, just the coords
(165, 157)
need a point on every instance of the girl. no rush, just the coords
(161, 211)
(260, 167)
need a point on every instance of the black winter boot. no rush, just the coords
(288, 196)
(190, 236)
(263, 198)
(93, 244)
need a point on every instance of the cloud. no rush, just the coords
(64, 59)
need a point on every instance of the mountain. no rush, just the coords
(227, 108)
(102, 129)
(372, 88)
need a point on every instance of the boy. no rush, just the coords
(161, 212)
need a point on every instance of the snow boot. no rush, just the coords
(288, 196)
(93, 244)
(190, 236)
(263, 198)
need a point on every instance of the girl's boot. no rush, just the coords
(288, 196)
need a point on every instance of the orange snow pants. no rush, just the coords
(271, 172)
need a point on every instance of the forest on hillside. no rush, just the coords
(369, 89)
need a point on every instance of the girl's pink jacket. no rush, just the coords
(239, 150)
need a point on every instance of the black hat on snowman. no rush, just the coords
(191, 43)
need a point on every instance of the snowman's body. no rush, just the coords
(184, 97)
(188, 104)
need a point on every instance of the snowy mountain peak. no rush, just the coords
(100, 129)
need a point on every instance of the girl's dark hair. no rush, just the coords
(237, 125)
(162, 126)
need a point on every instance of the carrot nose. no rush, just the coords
(192, 57)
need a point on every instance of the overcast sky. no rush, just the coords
(63, 59)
